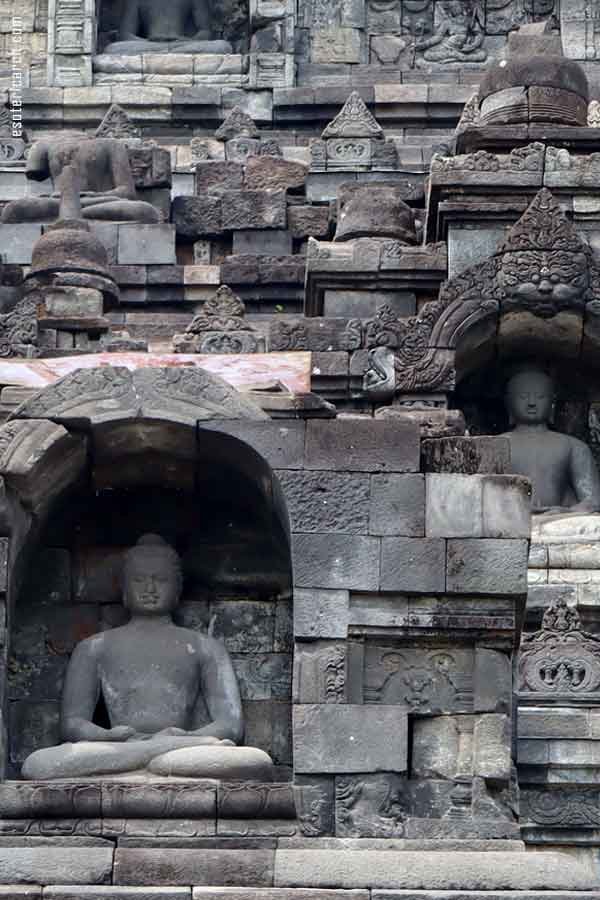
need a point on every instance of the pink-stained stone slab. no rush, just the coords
(245, 372)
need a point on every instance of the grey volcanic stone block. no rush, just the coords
(20, 892)
(270, 243)
(466, 455)
(308, 221)
(112, 892)
(454, 506)
(254, 209)
(272, 173)
(217, 175)
(326, 501)
(44, 864)
(492, 681)
(334, 561)
(282, 445)
(492, 747)
(362, 444)
(338, 738)
(146, 244)
(436, 870)
(250, 893)
(174, 866)
(397, 505)
(18, 241)
(487, 566)
(413, 564)
(195, 217)
(320, 613)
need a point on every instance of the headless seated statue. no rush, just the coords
(153, 26)
(104, 175)
(171, 693)
(561, 468)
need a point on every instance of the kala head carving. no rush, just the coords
(544, 265)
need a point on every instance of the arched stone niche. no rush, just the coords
(229, 21)
(495, 311)
(84, 482)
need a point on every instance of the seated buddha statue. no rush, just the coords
(152, 26)
(104, 176)
(170, 693)
(561, 468)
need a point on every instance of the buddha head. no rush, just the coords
(530, 397)
(152, 577)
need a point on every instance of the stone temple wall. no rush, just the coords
(284, 345)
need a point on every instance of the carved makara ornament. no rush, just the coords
(561, 658)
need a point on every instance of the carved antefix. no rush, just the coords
(541, 271)
(561, 661)
(220, 327)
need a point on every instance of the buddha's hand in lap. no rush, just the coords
(119, 733)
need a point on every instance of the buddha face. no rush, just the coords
(529, 398)
(152, 584)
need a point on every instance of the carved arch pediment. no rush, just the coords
(542, 269)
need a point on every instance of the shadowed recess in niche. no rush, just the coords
(225, 20)
(232, 538)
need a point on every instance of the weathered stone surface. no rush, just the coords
(487, 566)
(477, 506)
(362, 444)
(47, 864)
(281, 445)
(90, 892)
(250, 893)
(314, 800)
(20, 892)
(326, 501)
(255, 800)
(175, 866)
(337, 738)
(319, 673)
(413, 564)
(308, 221)
(269, 242)
(196, 217)
(466, 455)
(139, 244)
(454, 506)
(441, 747)
(492, 681)
(320, 613)
(254, 209)
(397, 505)
(376, 210)
(372, 806)
(434, 870)
(492, 747)
(216, 176)
(271, 173)
(335, 561)
(38, 459)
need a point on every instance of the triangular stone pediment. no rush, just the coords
(117, 124)
(354, 120)
(238, 124)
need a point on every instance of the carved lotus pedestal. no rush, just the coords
(147, 806)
